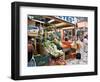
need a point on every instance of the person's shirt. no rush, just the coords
(66, 44)
(30, 47)
(85, 41)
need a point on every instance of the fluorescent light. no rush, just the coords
(52, 20)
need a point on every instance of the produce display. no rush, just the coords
(54, 41)
(51, 48)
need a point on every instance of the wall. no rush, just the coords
(5, 40)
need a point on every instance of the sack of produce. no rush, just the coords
(60, 61)
(74, 45)
(57, 60)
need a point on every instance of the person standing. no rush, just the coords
(85, 41)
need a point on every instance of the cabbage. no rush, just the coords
(51, 48)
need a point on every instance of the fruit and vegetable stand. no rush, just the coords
(47, 49)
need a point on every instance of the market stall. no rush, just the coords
(52, 40)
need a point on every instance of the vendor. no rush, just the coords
(66, 43)
(30, 48)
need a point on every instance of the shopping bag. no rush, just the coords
(78, 56)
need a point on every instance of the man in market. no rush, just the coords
(31, 48)
(66, 43)
(85, 41)
(67, 48)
